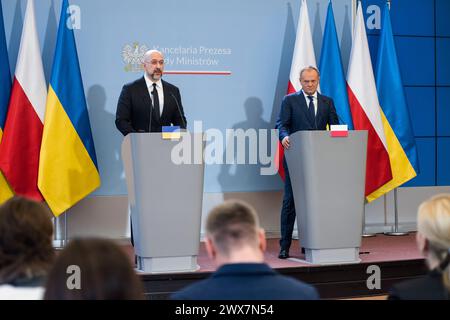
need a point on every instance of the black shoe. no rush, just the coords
(284, 254)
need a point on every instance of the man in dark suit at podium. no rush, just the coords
(303, 110)
(149, 103)
(236, 243)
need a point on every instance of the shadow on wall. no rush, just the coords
(236, 177)
(317, 33)
(285, 65)
(48, 50)
(16, 32)
(346, 41)
(109, 151)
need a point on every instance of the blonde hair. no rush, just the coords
(434, 224)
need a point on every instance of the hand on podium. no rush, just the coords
(285, 142)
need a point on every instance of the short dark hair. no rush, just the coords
(231, 225)
(26, 248)
(106, 273)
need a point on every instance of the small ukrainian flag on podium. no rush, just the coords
(171, 133)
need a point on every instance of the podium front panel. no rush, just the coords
(165, 197)
(328, 181)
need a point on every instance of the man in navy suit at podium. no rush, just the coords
(303, 110)
(149, 103)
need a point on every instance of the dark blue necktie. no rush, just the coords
(312, 114)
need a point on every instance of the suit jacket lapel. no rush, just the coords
(303, 107)
(167, 98)
(145, 96)
(320, 109)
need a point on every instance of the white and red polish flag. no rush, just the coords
(365, 108)
(303, 57)
(21, 143)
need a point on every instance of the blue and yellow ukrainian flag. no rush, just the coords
(395, 114)
(171, 132)
(68, 169)
(5, 91)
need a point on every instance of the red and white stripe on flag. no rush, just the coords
(365, 108)
(21, 141)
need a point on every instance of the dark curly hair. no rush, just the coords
(26, 231)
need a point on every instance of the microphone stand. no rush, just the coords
(179, 111)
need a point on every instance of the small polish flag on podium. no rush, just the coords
(339, 130)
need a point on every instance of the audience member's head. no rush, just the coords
(233, 234)
(433, 236)
(104, 270)
(26, 233)
(236, 243)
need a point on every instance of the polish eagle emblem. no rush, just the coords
(133, 56)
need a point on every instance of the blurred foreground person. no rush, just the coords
(93, 269)
(26, 250)
(433, 240)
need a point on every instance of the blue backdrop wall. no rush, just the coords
(422, 36)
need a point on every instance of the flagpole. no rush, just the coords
(56, 242)
(57, 229)
(396, 231)
(65, 229)
(364, 233)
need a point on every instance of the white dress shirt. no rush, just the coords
(159, 88)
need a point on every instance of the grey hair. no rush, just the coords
(149, 53)
(309, 68)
